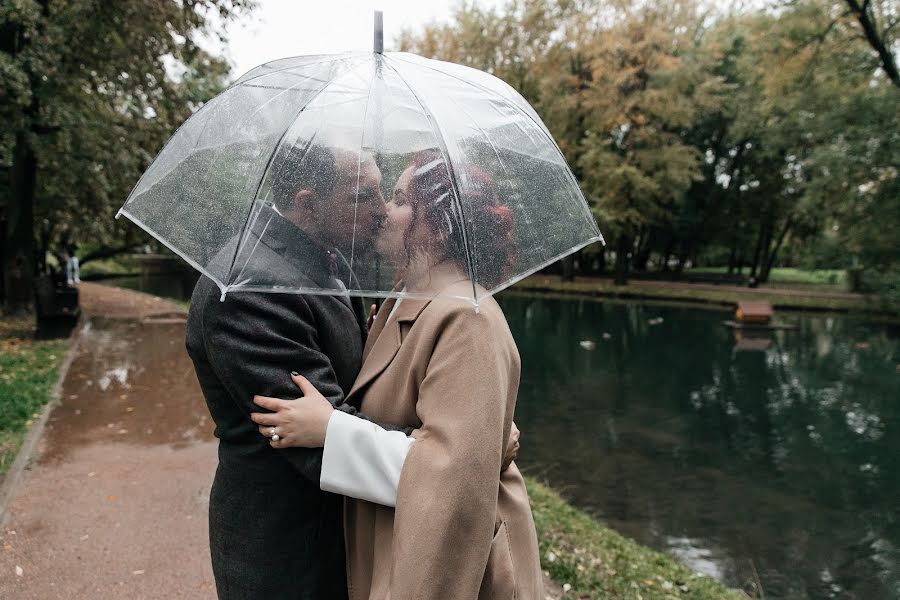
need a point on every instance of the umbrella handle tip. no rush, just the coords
(379, 32)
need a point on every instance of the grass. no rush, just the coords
(594, 562)
(28, 370)
(721, 295)
(834, 277)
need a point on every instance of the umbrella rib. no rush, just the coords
(519, 110)
(332, 58)
(170, 246)
(436, 128)
(265, 170)
(362, 138)
(496, 153)
(243, 84)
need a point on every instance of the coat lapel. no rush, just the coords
(384, 339)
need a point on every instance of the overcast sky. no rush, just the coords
(280, 28)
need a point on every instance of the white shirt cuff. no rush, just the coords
(363, 460)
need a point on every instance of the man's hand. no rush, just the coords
(512, 447)
(371, 320)
(301, 422)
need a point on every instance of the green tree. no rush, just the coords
(640, 85)
(89, 91)
(821, 118)
(725, 136)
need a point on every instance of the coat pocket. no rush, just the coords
(499, 581)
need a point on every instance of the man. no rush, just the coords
(273, 533)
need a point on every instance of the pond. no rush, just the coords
(773, 459)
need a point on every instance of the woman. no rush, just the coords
(461, 528)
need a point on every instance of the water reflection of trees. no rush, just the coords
(788, 456)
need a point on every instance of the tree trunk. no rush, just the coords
(568, 268)
(679, 265)
(601, 261)
(732, 256)
(2, 257)
(18, 253)
(773, 254)
(642, 256)
(623, 246)
(760, 237)
(667, 254)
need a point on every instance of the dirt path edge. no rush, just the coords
(36, 432)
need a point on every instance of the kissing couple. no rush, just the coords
(366, 456)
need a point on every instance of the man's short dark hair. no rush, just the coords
(305, 165)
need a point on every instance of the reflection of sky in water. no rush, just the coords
(117, 374)
(695, 556)
(786, 454)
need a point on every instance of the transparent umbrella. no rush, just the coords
(364, 174)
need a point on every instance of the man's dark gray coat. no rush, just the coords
(273, 533)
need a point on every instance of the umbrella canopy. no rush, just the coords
(363, 174)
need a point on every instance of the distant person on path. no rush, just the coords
(73, 272)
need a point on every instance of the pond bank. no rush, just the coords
(712, 294)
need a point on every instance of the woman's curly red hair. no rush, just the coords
(490, 226)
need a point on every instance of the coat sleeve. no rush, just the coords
(254, 342)
(447, 496)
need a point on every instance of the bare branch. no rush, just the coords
(877, 41)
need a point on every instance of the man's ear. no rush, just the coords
(303, 201)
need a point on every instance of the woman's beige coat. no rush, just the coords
(460, 531)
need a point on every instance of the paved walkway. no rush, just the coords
(115, 502)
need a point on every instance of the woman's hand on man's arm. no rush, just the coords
(302, 422)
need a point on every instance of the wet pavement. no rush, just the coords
(114, 504)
